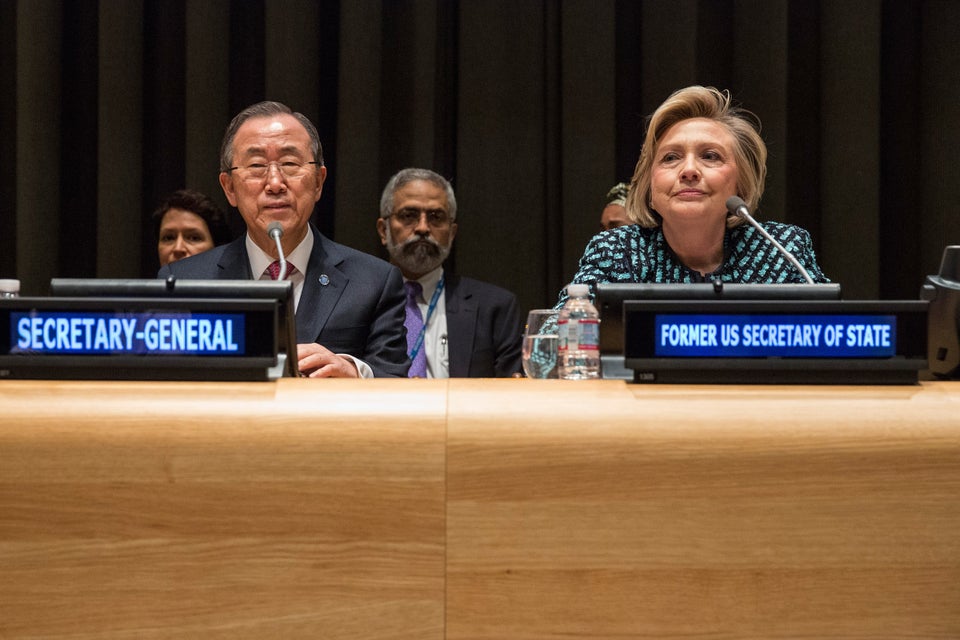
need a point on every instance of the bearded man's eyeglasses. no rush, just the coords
(410, 217)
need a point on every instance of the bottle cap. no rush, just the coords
(578, 290)
(9, 285)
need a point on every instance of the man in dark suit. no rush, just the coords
(456, 327)
(349, 305)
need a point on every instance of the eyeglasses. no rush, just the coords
(257, 171)
(410, 217)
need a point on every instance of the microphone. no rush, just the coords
(275, 231)
(737, 207)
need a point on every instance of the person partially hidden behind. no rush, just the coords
(186, 223)
(699, 151)
(349, 305)
(614, 214)
(456, 327)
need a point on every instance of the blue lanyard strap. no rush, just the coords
(423, 329)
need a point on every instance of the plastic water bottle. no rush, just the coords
(578, 325)
(9, 288)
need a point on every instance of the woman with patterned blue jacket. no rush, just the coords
(699, 151)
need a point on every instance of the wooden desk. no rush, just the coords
(222, 510)
(475, 509)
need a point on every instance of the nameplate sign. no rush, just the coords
(811, 341)
(139, 338)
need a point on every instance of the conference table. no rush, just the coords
(478, 509)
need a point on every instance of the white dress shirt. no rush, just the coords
(435, 341)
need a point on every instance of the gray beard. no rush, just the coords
(417, 255)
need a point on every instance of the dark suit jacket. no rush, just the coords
(359, 312)
(483, 329)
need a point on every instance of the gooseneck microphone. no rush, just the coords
(275, 231)
(736, 206)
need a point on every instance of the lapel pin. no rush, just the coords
(324, 280)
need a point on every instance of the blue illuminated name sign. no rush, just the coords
(775, 335)
(165, 333)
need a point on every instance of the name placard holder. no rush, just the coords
(776, 342)
(141, 338)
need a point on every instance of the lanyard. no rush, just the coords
(423, 329)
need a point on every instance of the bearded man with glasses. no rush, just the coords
(349, 305)
(456, 327)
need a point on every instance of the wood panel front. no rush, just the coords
(296, 509)
(478, 509)
(604, 510)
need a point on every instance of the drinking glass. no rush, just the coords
(540, 342)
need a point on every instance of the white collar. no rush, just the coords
(428, 281)
(299, 257)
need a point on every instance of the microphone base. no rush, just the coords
(943, 352)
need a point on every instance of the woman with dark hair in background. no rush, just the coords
(187, 222)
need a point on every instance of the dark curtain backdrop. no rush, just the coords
(533, 109)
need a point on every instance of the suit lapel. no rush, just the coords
(234, 263)
(318, 300)
(461, 326)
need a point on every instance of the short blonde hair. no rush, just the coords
(750, 152)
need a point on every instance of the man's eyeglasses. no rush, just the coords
(257, 171)
(410, 217)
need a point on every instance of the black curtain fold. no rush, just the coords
(8, 143)
(164, 112)
(328, 34)
(901, 158)
(79, 132)
(628, 82)
(803, 117)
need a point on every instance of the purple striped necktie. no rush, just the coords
(414, 325)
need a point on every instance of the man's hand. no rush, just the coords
(315, 361)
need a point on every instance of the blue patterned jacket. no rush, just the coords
(639, 254)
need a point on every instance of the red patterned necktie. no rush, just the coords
(274, 270)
